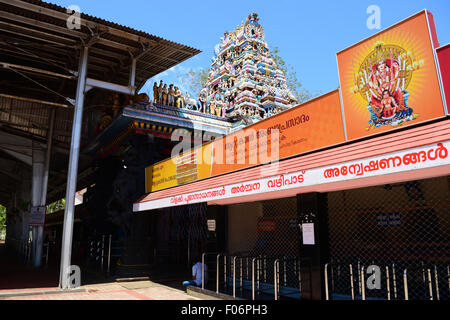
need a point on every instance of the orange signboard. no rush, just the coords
(309, 126)
(390, 79)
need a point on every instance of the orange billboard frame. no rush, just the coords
(391, 79)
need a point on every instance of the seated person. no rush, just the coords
(197, 274)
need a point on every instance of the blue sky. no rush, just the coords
(308, 33)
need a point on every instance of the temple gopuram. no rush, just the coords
(244, 83)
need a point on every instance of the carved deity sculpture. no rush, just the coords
(179, 98)
(164, 94)
(155, 93)
(171, 96)
(160, 91)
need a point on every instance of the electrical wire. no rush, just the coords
(36, 82)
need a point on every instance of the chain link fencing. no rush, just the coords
(263, 252)
(390, 241)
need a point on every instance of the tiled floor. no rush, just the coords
(145, 290)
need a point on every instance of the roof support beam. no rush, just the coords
(54, 104)
(42, 34)
(94, 83)
(36, 70)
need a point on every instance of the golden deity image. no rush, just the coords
(382, 80)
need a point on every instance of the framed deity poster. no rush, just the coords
(391, 79)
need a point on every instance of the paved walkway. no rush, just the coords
(21, 282)
(140, 290)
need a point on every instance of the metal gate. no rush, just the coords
(181, 233)
(390, 241)
(263, 260)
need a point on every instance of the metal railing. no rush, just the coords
(429, 276)
(24, 248)
(250, 274)
(425, 281)
(204, 254)
(45, 249)
(101, 252)
(360, 273)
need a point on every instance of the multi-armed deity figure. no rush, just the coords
(382, 80)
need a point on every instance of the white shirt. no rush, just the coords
(197, 272)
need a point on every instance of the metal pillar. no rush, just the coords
(39, 189)
(47, 156)
(36, 196)
(66, 249)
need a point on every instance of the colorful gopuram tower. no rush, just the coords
(244, 82)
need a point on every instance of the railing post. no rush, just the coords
(240, 273)
(217, 273)
(109, 254)
(351, 282)
(423, 272)
(246, 264)
(448, 276)
(430, 286)
(265, 269)
(359, 277)
(405, 283)
(253, 278)
(298, 270)
(363, 287)
(29, 250)
(258, 271)
(225, 270)
(234, 277)
(436, 282)
(394, 281)
(388, 287)
(203, 270)
(325, 271)
(275, 279)
(332, 275)
(103, 252)
(46, 255)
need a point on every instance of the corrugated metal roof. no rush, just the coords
(34, 34)
(46, 22)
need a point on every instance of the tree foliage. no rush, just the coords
(196, 80)
(56, 206)
(2, 218)
(292, 81)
